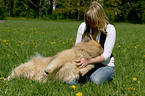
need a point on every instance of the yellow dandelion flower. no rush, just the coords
(63, 42)
(73, 86)
(79, 94)
(130, 44)
(119, 46)
(35, 45)
(18, 45)
(134, 79)
(2, 78)
(43, 33)
(54, 42)
(124, 50)
(72, 42)
(135, 47)
(138, 82)
(20, 41)
(131, 88)
(70, 39)
(143, 55)
(4, 40)
(6, 43)
(125, 85)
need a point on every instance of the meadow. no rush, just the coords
(21, 39)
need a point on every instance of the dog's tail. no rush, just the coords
(37, 56)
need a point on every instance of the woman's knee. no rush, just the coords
(97, 80)
(102, 75)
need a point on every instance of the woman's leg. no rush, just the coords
(99, 76)
(102, 74)
(74, 82)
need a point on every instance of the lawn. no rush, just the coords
(21, 39)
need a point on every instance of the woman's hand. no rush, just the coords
(82, 63)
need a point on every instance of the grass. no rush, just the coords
(20, 39)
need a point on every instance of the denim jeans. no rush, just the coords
(99, 76)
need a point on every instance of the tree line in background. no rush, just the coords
(116, 10)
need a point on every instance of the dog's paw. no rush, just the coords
(82, 72)
(48, 71)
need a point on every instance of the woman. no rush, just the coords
(96, 23)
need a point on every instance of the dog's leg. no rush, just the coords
(83, 71)
(54, 64)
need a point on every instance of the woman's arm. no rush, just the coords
(80, 32)
(110, 41)
(83, 62)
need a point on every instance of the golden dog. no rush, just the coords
(62, 66)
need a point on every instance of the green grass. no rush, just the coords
(20, 39)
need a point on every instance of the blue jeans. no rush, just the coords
(99, 76)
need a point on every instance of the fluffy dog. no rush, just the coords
(62, 66)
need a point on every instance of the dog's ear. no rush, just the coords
(87, 37)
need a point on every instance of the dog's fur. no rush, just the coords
(62, 66)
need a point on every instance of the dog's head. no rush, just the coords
(89, 45)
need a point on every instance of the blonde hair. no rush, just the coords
(95, 13)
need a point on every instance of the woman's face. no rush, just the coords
(92, 24)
